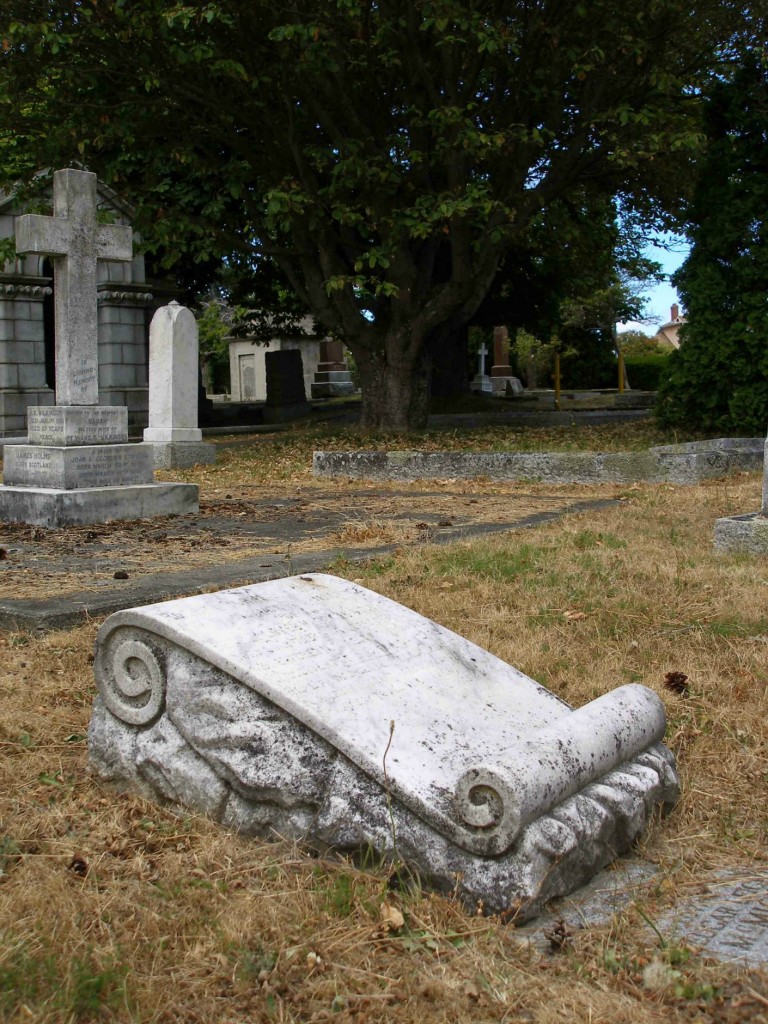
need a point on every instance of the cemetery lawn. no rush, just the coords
(114, 909)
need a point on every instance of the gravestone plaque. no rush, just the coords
(77, 467)
(63, 425)
(312, 708)
(730, 922)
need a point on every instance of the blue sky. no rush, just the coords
(661, 296)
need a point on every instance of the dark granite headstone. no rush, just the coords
(286, 396)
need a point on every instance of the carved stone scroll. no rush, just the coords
(313, 708)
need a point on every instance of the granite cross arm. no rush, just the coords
(313, 708)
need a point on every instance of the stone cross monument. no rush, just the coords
(77, 466)
(75, 241)
(481, 381)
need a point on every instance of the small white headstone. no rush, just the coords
(313, 708)
(173, 386)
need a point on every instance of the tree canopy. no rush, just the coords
(385, 155)
(718, 379)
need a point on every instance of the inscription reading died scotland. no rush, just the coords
(72, 468)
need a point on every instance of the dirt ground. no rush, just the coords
(277, 522)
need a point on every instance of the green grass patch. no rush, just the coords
(77, 990)
(497, 565)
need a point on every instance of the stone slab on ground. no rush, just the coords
(313, 708)
(729, 921)
(610, 892)
(58, 578)
(746, 533)
(679, 464)
(44, 506)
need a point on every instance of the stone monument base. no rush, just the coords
(507, 386)
(183, 454)
(50, 507)
(77, 466)
(747, 533)
(481, 383)
(285, 413)
(332, 384)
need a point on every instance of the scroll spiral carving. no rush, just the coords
(486, 804)
(133, 685)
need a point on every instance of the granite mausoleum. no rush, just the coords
(27, 348)
(324, 369)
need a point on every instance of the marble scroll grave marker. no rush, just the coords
(312, 708)
(748, 532)
(173, 433)
(77, 466)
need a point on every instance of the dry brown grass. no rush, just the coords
(114, 909)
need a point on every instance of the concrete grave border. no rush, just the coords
(687, 463)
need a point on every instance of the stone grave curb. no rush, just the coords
(676, 464)
(74, 609)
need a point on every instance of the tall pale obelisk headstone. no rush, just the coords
(77, 467)
(176, 439)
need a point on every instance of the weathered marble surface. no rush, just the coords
(104, 465)
(313, 708)
(173, 433)
(51, 507)
(75, 240)
(678, 464)
(62, 425)
(729, 921)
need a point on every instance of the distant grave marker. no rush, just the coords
(76, 467)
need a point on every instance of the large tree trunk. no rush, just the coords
(395, 386)
(449, 348)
